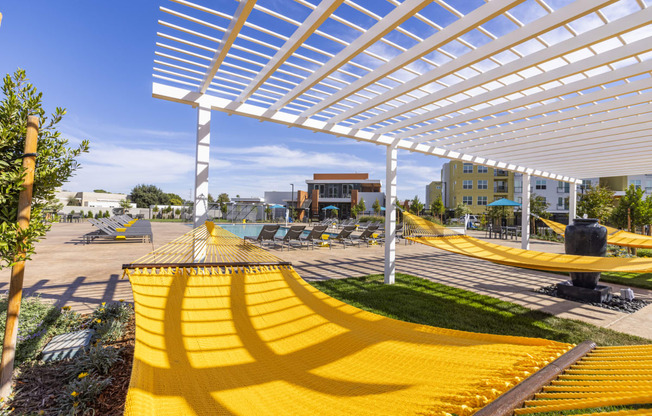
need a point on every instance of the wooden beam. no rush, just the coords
(18, 271)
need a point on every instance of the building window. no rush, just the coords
(483, 184)
(322, 189)
(519, 199)
(562, 203)
(482, 200)
(467, 200)
(467, 184)
(467, 168)
(540, 184)
(346, 190)
(483, 169)
(332, 191)
(636, 183)
(563, 187)
(500, 187)
(500, 172)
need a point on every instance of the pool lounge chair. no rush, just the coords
(106, 232)
(314, 236)
(266, 234)
(344, 237)
(293, 234)
(367, 237)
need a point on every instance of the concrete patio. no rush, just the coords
(82, 276)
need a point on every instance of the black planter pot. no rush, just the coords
(585, 237)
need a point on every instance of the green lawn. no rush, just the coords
(642, 280)
(421, 301)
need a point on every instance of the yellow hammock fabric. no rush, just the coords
(607, 376)
(261, 341)
(614, 235)
(473, 247)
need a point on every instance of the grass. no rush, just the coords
(642, 280)
(421, 301)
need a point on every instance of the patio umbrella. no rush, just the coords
(328, 208)
(276, 206)
(504, 202)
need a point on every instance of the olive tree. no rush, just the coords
(596, 202)
(55, 164)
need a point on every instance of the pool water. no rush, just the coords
(252, 230)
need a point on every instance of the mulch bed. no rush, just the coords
(37, 386)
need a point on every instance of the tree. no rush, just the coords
(268, 212)
(89, 214)
(437, 207)
(175, 199)
(100, 191)
(125, 203)
(461, 210)
(376, 207)
(222, 199)
(355, 210)
(415, 205)
(596, 202)
(632, 210)
(210, 198)
(538, 207)
(361, 206)
(146, 195)
(55, 164)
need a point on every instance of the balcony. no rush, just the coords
(518, 189)
(501, 172)
(501, 189)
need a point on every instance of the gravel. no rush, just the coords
(617, 303)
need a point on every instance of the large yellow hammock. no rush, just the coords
(241, 333)
(614, 235)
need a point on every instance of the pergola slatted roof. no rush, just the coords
(554, 88)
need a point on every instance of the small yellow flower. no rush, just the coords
(41, 412)
(66, 308)
(74, 394)
(99, 321)
(75, 404)
(122, 300)
(103, 303)
(82, 375)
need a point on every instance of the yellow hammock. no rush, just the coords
(434, 235)
(258, 340)
(614, 235)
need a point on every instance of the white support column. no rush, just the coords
(525, 212)
(572, 203)
(201, 164)
(390, 215)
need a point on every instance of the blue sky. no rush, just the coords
(95, 59)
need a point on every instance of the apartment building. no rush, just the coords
(434, 190)
(474, 185)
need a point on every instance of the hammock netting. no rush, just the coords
(614, 235)
(253, 340)
(425, 232)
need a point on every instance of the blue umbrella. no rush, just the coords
(382, 208)
(504, 202)
(329, 208)
(276, 206)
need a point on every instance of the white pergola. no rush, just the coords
(558, 89)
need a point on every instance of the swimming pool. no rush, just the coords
(252, 230)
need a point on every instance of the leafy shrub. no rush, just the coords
(121, 311)
(79, 394)
(371, 218)
(98, 359)
(109, 330)
(644, 252)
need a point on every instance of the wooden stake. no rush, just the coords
(17, 272)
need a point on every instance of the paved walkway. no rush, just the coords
(82, 276)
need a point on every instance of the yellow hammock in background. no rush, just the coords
(231, 338)
(425, 232)
(614, 235)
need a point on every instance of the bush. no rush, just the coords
(98, 359)
(80, 394)
(644, 252)
(108, 320)
(109, 330)
(371, 218)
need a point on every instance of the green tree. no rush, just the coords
(415, 205)
(376, 207)
(361, 206)
(89, 214)
(145, 195)
(461, 210)
(355, 210)
(596, 202)
(210, 198)
(100, 191)
(175, 199)
(632, 205)
(539, 206)
(437, 207)
(222, 199)
(268, 212)
(55, 164)
(125, 203)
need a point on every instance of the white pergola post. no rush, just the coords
(525, 212)
(390, 215)
(572, 203)
(201, 164)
